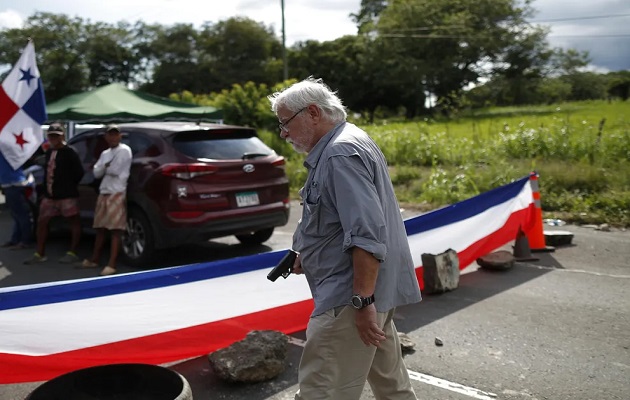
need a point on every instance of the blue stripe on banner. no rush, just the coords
(464, 209)
(136, 282)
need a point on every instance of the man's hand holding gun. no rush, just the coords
(285, 267)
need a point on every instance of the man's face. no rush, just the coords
(113, 138)
(295, 129)
(55, 140)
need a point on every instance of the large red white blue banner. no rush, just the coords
(180, 312)
(22, 110)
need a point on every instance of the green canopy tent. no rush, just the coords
(116, 103)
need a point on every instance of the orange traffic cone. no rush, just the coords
(535, 234)
(521, 250)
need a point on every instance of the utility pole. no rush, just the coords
(285, 71)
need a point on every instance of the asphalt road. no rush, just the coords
(557, 328)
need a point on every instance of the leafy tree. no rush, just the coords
(553, 90)
(242, 104)
(568, 62)
(368, 14)
(523, 64)
(110, 56)
(59, 45)
(73, 55)
(174, 57)
(451, 41)
(619, 84)
(238, 50)
(586, 85)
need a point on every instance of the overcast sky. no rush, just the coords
(601, 27)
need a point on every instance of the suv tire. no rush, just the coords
(138, 243)
(255, 238)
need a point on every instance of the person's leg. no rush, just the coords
(12, 199)
(115, 247)
(98, 245)
(46, 211)
(75, 226)
(335, 362)
(24, 222)
(388, 376)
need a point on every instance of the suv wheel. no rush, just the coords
(137, 242)
(254, 238)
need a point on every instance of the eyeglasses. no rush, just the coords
(283, 125)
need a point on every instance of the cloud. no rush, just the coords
(10, 19)
(599, 27)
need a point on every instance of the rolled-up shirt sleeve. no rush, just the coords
(358, 204)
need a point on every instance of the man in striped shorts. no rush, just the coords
(110, 214)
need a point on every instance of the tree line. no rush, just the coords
(409, 57)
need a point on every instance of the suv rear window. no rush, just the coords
(221, 145)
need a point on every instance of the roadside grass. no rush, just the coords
(580, 150)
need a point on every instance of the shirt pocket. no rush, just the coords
(311, 216)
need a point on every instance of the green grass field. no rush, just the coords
(580, 150)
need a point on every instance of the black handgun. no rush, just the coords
(284, 267)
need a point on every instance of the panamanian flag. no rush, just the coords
(22, 110)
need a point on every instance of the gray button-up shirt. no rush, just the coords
(348, 200)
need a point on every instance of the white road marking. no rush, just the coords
(431, 380)
(576, 271)
(454, 387)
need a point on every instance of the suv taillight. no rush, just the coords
(187, 171)
(279, 162)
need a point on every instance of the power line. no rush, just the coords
(416, 36)
(582, 18)
(593, 36)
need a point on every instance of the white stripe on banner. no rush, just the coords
(464, 233)
(85, 323)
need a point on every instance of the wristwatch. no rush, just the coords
(360, 302)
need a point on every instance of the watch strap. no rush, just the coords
(365, 301)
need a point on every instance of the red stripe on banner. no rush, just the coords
(522, 219)
(159, 348)
(507, 233)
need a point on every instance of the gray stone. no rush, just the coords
(604, 228)
(440, 272)
(259, 357)
(499, 260)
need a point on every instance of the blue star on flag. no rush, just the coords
(26, 76)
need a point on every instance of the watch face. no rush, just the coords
(356, 302)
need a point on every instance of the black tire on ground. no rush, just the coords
(116, 381)
(255, 238)
(138, 243)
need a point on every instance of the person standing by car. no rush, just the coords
(60, 194)
(110, 214)
(14, 183)
(353, 250)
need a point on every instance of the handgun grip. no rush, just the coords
(284, 267)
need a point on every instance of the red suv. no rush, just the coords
(190, 182)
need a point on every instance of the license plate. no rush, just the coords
(247, 199)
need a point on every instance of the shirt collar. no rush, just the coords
(313, 156)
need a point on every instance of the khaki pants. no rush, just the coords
(335, 363)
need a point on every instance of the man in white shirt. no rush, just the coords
(113, 166)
